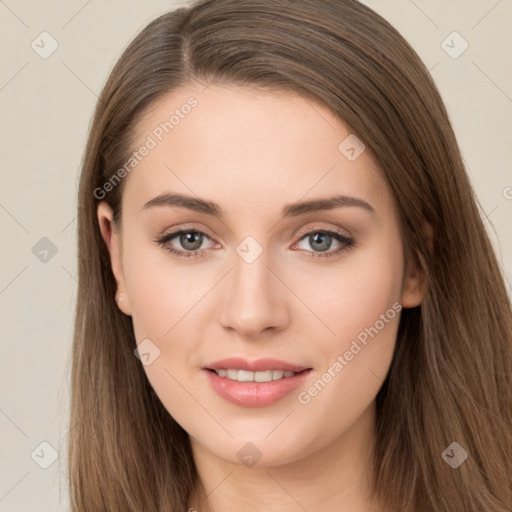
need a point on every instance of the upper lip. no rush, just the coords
(259, 365)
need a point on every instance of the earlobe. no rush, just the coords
(416, 283)
(112, 241)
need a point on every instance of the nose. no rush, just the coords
(255, 300)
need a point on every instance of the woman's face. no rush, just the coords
(263, 270)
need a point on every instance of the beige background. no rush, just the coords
(46, 108)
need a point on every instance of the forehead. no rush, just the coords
(248, 148)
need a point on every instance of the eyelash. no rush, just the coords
(347, 242)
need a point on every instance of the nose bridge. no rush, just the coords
(255, 299)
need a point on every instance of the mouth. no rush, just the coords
(255, 383)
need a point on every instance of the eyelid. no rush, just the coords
(301, 233)
(316, 228)
(184, 227)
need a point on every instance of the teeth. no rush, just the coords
(247, 376)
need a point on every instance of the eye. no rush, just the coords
(190, 239)
(321, 240)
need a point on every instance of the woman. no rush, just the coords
(287, 298)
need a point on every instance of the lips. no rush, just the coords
(247, 383)
(259, 365)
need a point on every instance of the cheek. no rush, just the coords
(360, 304)
(350, 297)
(162, 293)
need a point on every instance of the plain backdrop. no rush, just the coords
(46, 103)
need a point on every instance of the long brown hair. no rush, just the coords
(451, 375)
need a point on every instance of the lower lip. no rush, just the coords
(255, 394)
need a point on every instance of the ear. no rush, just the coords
(415, 281)
(112, 239)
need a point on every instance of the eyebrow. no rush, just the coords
(290, 210)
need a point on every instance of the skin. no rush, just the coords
(252, 153)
